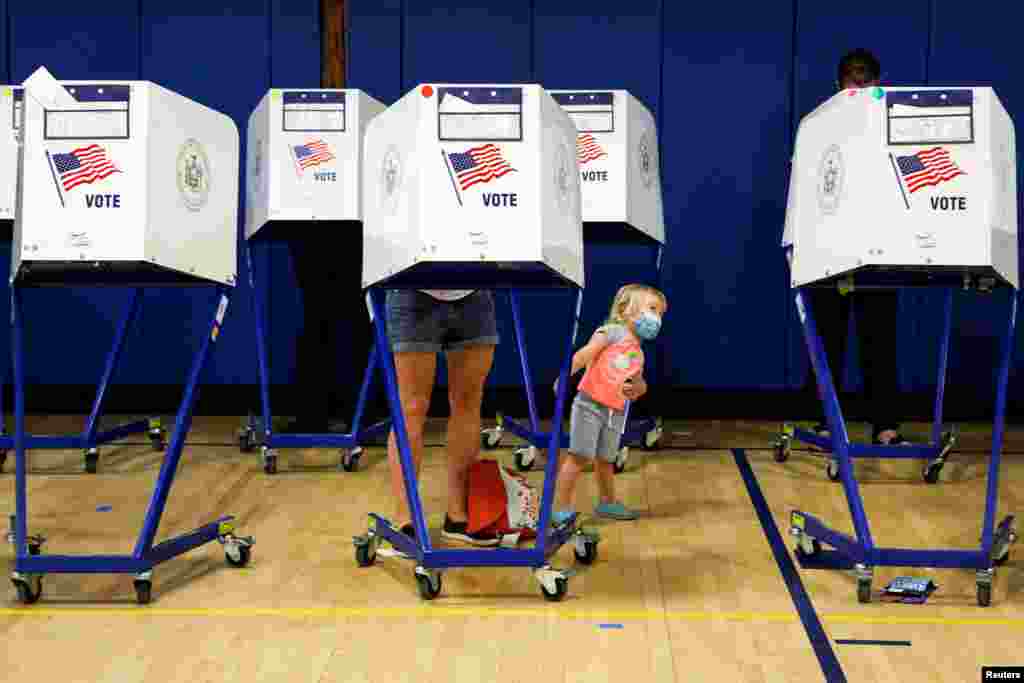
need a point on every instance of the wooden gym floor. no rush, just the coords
(690, 592)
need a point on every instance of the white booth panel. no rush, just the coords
(11, 103)
(305, 156)
(904, 178)
(617, 151)
(126, 172)
(481, 174)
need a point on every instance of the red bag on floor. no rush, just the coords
(501, 502)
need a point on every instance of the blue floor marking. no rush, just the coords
(815, 632)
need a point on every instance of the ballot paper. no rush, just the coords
(45, 89)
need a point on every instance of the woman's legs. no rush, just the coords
(468, 368)
(416, 370)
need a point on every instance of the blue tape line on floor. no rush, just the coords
(610, 626)
(104, 508)
(815, 632)
(848, 641)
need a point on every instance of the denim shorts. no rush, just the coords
(595, 430)
(419, 322)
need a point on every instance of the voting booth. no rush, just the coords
(472, 187)
(904, 179)
(617, 152)
(902, 187)
(120, 183)
(125, 181)
(304, 155)
(620, 187)
(482, 176)
(303, 173)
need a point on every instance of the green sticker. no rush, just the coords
(877, 92)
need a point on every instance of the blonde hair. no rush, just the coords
(626, 301)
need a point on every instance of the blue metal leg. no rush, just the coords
(364, 389)
(940, 392)
(182, 424)
(113, 358)
(524, 363)
(992, 490)
(836, 422)
(20, 465)
(387, 359)
(551, 468)
(259, 313)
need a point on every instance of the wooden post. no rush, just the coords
(332, 43)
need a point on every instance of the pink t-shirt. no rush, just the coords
(617, 362)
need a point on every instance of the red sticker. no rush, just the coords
(427, 91)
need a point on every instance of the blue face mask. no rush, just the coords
(648, 325)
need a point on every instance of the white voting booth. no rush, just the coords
(891, 188)
(121, 182)
(617, 152)
(472, 187)
(126, 176)
(904, 177)
(303, 169)
(11, 99)
(482, 174)
(304, 156)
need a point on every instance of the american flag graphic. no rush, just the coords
(479, 165)
(587, 149)
(83, 166)
(313, 153)
(928, 168)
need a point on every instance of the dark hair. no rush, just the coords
(859, 66)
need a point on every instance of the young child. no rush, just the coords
(614, 365)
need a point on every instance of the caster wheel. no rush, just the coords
(561, 588)
(34, 549)
(430, 586)
(524, 458)
(589, 554)
(92, 458)
(863, 590)
(246, 442)
(29, 590)
(984, 594)
(350, 459)
(619, 466)
(3, 459)
(832, 470)
(269, 461)
(143, 591)
(157, 439)
(490, 439)
(244, 554)
(931, 472)
(803, 553)
(652, 439)
(782, 451)
(366, 555)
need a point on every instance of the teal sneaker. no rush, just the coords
(615, 511)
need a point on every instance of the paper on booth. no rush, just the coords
(46, 90)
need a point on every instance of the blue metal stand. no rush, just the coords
(30, 565)
(91, 439)
(262, 434)
(646, 432)
(861, 554)
(430, 561)
(936, 452)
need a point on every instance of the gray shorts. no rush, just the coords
(419, 322)
(595, 430)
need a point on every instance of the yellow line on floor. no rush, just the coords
(483, 612)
